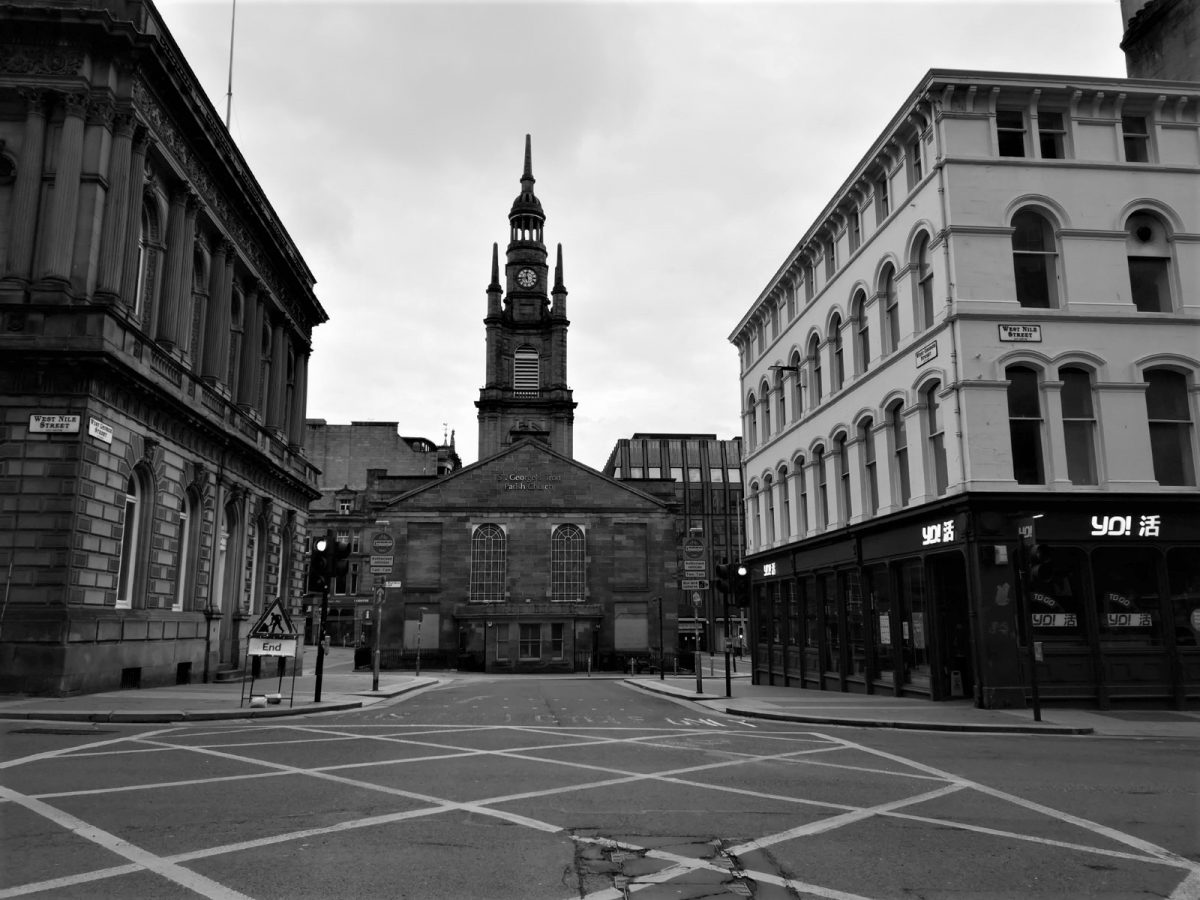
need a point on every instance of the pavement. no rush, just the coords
(343, 688)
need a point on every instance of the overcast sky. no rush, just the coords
(680, 150)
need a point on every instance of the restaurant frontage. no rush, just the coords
(932, 604)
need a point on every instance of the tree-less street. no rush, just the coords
(575, 788)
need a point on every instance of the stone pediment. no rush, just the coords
(528, 477)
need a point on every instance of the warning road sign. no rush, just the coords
(274, 623)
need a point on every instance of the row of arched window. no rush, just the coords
(489, 564)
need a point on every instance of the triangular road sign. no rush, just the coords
(274, 622)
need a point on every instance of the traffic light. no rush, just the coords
(320, 564)
(721, 572)
(740, 581)
(1040, 564)
(340, 560)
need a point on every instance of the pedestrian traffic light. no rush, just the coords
(320, 564)
(722, 579)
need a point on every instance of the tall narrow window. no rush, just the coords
(845, 507)
(822, 488)
(780, 402)
(837, 374)
(785, 512)
(854, 228)
(830, 258)
(1135, 135)
(1034, 260)
(531, 640)
(924, 273)
(1010, 132)
(189, 549)
(883, 204)
(526, 371)
(567, 564)
(802, 496)
(751, 422)
(488, 560)
(1052, 135)
(774, 315)
(790, 295)
(862, 331)
(870, 475)
(145, 231)
(814, 367)
(1149, 253)
(916, 167)
(755, 514)
(797, 386)
(1170, 427)
(1079, 425)
(936, 439)
(900, 452)
(891, 310)
(769, 493)
(131, 538)
(810, 281)
(765, 390)
(1025, 425)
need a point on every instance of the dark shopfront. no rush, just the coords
(927, 605)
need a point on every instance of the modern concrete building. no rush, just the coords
(156, 325)
(701, 477)
(990, 330)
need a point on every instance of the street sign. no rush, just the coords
(382, 543)
(393, 584)
(694, 584)
(276, 646)
(697, 599)
(693, 548)
(378, 595)
(381, 570)
(695, 565)
(274, 622)
(382, 560)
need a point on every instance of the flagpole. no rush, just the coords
(229, 92)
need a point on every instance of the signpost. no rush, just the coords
(273, 635)
(378, 636)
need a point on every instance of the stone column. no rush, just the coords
(133, 218)
(116, 211)
(216, 322)
(299, 399)
(251, 368)
(60, 231)
(183, 291)
(168, 301)
(275, 393)
(27, 189)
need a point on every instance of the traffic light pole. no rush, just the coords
(728, 676)
(321, 641)
(324, 550)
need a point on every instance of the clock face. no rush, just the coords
(527, 278)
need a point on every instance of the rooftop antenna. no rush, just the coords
(229, 92)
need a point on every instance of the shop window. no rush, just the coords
(795, 630)
(890, 306)
(1079, 425)
(1010, 132)
(833, 642)
(1056, 596)
(530, 640)
(568, 556)
(808, 606)
(1170, 424)
(776, 601)
(862, 331)
(879, 608)
(488, 561)
(936, 439)
(556, 640)
(1183, 580)
(1025, 425)
(814, 368)
(837, 374)
(924, 283)
(899, 434)
(1052, 135)
(1135, 136)
(1035, 260)
(1148, 250)
(866, 439)
(914, 623)
(822, 488)
(856, 641)
(1128, 605)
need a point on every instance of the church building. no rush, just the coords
(528, 560)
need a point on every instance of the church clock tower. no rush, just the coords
(526, 393)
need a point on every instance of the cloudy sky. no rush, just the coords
(680, 149)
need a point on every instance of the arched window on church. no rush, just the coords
(526, 371)
(488, 558)
(568, 569)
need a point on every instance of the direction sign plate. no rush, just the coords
(382, 560)
(381, 570)
(382, 543)
(694, 584)
(695, 565)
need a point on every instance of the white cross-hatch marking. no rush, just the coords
(170, 866)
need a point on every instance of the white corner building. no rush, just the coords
(992, 329)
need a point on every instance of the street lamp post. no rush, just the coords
(420, 620)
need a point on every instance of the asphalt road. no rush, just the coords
(531, 788)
